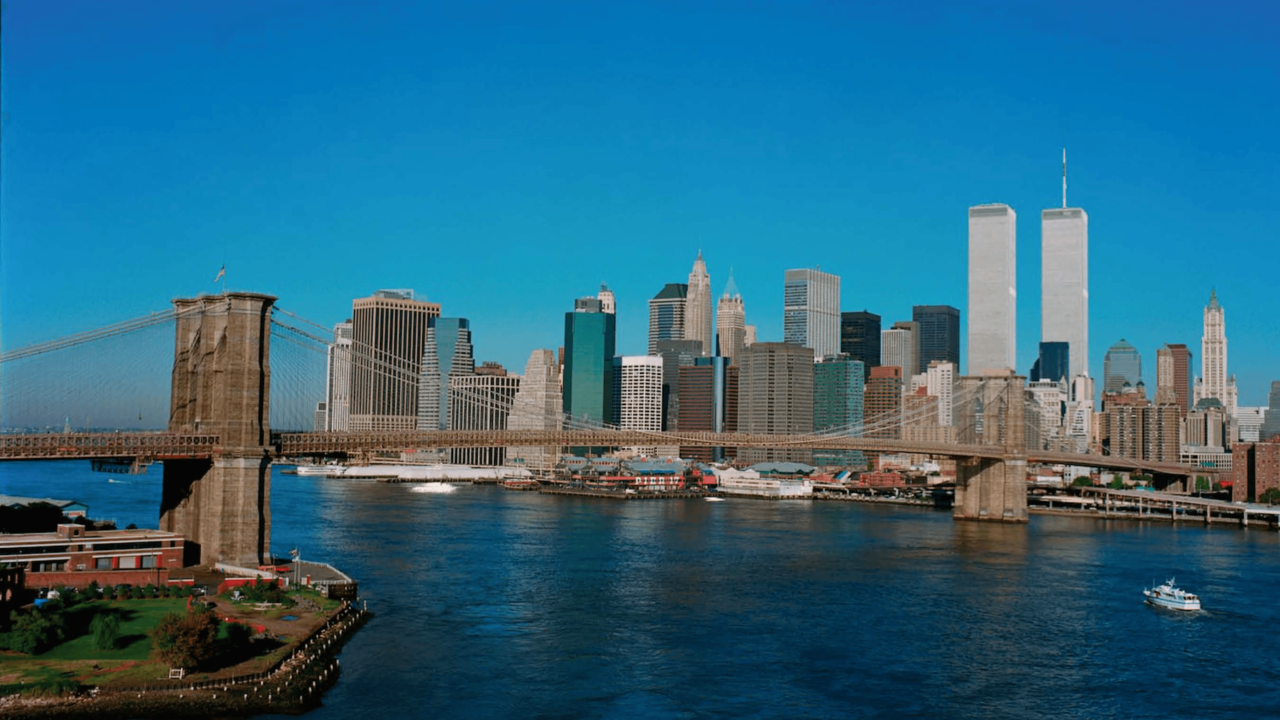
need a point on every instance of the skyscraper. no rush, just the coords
(446, 354)
(537, 406)
(481, 402)
(899, 346)
(993, 288)
(731, 328)
(666, 315)
(860, 338)
(838, 387)
(939, 335)
(1173, 374)
(1054, 363)
(697, 309)
(1122, 365)
(637, 395)
(811, 311)
(1064, 282)
(608, 303)
(1214, 381)
(1271, 421)
(942, 379)
(775, 395)
(338, 380)
(708, 403)
(589, 340)
(675, 354)
(882, 402)
(389, 330)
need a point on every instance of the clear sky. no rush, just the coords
(505, 158)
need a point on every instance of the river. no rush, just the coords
(500, 604)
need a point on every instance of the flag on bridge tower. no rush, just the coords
(221, 272)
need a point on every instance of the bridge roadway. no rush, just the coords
(170, 446)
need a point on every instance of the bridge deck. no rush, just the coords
(160, 446)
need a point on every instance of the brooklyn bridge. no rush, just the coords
(224, 396)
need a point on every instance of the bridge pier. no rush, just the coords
(222, 384)
(991, 489)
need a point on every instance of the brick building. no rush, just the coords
(74, 556)
(1255, 469)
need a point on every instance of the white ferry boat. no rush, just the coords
(1171, 597)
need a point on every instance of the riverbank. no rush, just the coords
(294, 685)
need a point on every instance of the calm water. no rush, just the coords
(498, 604)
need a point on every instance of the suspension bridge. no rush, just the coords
(228, 387)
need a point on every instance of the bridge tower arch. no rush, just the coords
(222, 384)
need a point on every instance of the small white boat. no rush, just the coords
(715, 499)
(1168, 596)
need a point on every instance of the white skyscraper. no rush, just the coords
(538, 405)
(898, 346)
(697, 311)
(731, 329)
(608, 303)
(1214, 381)
(637, 395)
(993, 288)
(942, 378)
(811, 311)
(1064, 283)
(338, 380)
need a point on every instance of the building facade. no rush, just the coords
(698, 323)
(589, 340)
(74, 556)
(1121, 366)
(938, 327)
(337, 385)
(882, 402)
(709, 403)
(1173, 374)
(1255, 470)
(1271, 421)
(666, 315)
(1064, 283)
(388, 332)
(1214, 381)
(481, 402)
(637, 395)
(811, 311)
(899, 346)
(675, 354)
(860, 338)
(731, 323)
(608, 303)
(993, 288)
(775, 395)
(447, 353)
(537, 405)
(1053, 363)
(839, 384)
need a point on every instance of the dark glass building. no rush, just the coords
(838, 387)
(860, 338)
(1054, 362)
(938, 327)
(589, 340)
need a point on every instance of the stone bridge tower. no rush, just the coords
(222, 384)
(992, 411)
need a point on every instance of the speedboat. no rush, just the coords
(1168, 596)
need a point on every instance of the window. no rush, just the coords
(148, 561)
(102, 563)
(49, 566)
(128, 563)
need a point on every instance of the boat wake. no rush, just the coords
(715, 499)
(434, 488)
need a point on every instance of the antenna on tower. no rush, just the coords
(1064, 178)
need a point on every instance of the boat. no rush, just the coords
(1168, 596)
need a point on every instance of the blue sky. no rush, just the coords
(505, 158)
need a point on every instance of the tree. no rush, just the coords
(33, 632)
(1082, 481)
(106, 630)
(1271, 496)
(187, 640)
(1116, 484)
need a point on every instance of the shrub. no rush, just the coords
(187, 640)
(106, 630)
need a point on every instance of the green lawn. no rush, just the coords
(137, 618)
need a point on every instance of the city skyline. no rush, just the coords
(282, 195)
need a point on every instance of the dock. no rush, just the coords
(1174, 508)
(615, 495)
